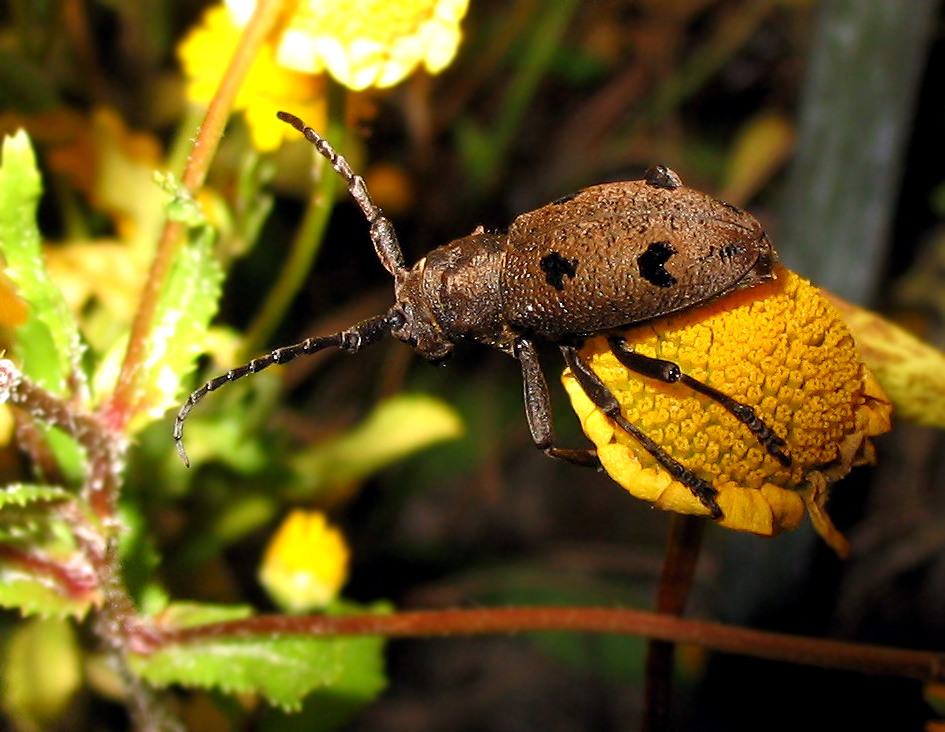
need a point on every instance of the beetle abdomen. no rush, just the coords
(623, 253)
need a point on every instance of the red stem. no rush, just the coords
(679, 568)
(878, 660)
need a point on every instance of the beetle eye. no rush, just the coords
(396, 318)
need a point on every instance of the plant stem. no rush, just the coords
(869, 659)
(679, 566)
(120, 408)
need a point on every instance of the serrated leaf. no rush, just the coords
(19, 494)
(187, 304)
(396, 428)
(283, 669)
(360, 681)
(33, 593)
(41, 570)
(48, 345)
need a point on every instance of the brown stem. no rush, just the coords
(679, 566)
(879, 660)
(117, 621)
(121, 407)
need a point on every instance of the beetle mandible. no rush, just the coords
(608, 257)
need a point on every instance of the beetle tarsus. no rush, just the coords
(604, 400)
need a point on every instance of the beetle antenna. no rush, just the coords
(382, 230)
(351, 340)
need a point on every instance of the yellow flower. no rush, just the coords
(205, 54)
(364, 43)
(306, 562)
(780, 348)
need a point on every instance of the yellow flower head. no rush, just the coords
(780, 348)
(361, 43)
(306, 562)
(364, 43)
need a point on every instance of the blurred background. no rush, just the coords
(819, 117)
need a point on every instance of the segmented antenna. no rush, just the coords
(352, 339)
(382, 230)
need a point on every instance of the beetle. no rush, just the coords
(607, 257)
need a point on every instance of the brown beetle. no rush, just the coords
(607, 257)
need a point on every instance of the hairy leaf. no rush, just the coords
(284, 669)
(187, 304)
(47, 345)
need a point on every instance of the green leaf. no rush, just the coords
(397, 427)
(20, 495)
(360, 681)
(283, 669)
(48, 345)
(187, 304)
(42, 572)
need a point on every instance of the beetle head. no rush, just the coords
(413, 320)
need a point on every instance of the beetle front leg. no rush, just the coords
(538, 409)
(602, 397)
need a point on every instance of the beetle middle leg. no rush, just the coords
(602, 397)
(669, 373)
(538, 409)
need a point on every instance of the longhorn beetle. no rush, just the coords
(607, 257)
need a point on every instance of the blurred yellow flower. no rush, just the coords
(361, 43)
(205, 54)
(364, 43)
(780, 348)
(306, 562)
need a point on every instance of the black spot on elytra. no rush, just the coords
(556, 267)
(565, 199)
(729, 252)
(651, 264)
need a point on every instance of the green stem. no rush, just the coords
(308, 240)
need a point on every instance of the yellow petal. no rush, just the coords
(370, 43)
(911, 372)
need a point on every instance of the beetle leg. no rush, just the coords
(538, 409)
(602, 397)
(669, 372)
